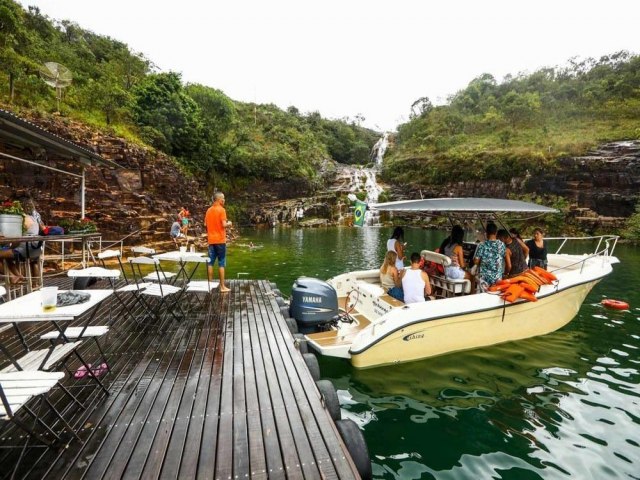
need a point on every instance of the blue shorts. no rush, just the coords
(219, 251)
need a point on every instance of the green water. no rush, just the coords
(565, 405)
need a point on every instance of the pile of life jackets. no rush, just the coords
(524, 286)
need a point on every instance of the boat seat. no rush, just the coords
(449, 286)
(370, 288)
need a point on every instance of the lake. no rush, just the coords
(564, 405)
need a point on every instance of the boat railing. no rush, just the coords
(604, 248)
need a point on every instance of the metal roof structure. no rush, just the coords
(37, 144)
(462, 205)
(21, 133)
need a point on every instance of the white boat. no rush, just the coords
(373, 329)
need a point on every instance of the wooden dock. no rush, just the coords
(222, 393)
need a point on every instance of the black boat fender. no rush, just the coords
(355, 443)
(312, 364)
(329, 398)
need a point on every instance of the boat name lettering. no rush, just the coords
(413, 336)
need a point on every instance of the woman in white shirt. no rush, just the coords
(396, 244)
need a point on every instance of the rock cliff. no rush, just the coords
(602, 186)
(139, 201)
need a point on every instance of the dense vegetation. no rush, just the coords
(213, 136)
(494, 130)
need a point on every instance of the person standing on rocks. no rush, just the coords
(216, 223)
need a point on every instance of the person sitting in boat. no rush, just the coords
(515, 259)
(390, 277)
(537, 249)
(453, 249)
(415, 281)
(490, 257)
(396, 244)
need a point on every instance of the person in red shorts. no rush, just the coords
(216, 223)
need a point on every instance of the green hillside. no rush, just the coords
(214, 136)
(495, 131)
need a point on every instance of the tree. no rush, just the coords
(632, 228)
(107, 93)
(420, 107)
(161, 103)
(521, 108)
(13, 40)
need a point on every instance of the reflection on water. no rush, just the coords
(563, 405)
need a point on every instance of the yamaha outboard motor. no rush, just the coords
(314, 304)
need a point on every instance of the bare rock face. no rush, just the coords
(601, 186)
(606, 180)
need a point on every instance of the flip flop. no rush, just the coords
(81, 372)
(102, 369)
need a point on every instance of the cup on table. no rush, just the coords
(183, 249)
(48, 298)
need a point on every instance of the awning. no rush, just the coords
(34, 145)
(21, 133)
(462, 205)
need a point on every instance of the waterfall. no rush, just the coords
(365, 179)
(379, 149)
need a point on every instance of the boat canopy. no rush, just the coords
(463, 205)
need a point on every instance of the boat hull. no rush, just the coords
(434, 337)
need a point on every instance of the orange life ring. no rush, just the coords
(615, 304)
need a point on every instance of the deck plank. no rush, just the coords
(223, 393)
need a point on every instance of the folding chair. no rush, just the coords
(106, 254)
(130, 285)
(45, 359)
(17, 388)
(151, 277)
(159, 291)
(196, 287)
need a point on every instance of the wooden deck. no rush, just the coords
(223, 393)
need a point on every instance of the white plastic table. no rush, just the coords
(182, 259)
(29, 309)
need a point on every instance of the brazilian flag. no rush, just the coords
(358, 213)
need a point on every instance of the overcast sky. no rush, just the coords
(349, 57)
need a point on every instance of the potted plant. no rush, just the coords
(72, 225)
(11, 218)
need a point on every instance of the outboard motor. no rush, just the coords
(314, 304)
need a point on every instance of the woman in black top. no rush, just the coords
(537, 250)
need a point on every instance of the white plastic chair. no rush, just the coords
(18, 388)
(196, 287)
(151, 277)
(159, 291)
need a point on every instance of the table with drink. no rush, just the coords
(41, 306)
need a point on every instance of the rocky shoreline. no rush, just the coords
(140, 200)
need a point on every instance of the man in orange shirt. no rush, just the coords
(216, 222)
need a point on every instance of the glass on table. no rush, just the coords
(49, 298)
